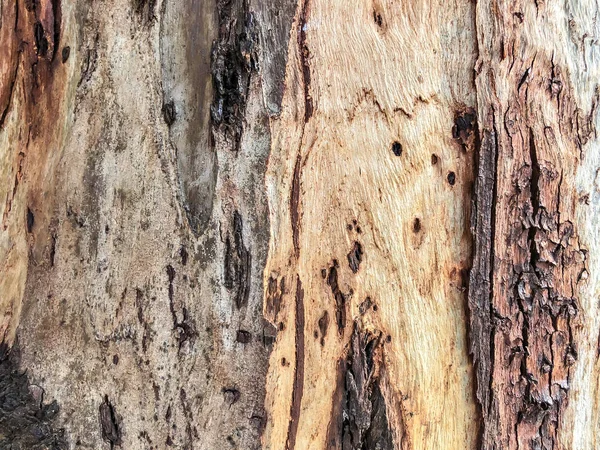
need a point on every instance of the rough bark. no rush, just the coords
(249, 224)
(529, 292)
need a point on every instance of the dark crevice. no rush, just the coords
(355, 257)
(339, 297)
(304, 61)
(185, 328)
(233, 59)
(359, 419)
(295, 204)
(30, 220)
(237, 262)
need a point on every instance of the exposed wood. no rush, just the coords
(377, 238)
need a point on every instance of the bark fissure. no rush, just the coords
(304, 60)
(234, 58)
(237, 262)
(295, 204)
(298, 386)
(110, 423)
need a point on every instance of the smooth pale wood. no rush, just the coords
(372, 85)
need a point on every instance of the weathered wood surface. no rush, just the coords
(247, 224)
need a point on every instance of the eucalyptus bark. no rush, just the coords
(299, 224)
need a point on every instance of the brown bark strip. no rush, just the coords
(298, 388)
(480, 285)
(527, 258)
(11, 88)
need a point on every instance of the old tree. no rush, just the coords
(299, 224)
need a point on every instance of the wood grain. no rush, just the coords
(378, 241)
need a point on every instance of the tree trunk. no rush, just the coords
(299, 224)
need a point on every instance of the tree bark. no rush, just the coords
(299, 224)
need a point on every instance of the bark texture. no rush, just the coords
(531, 301)
(299, 224)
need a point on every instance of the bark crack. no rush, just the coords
(298, 387)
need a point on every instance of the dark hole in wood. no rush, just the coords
(417, 225)
(451, 178)
(377, 18)
(397, 148)
(169, 113)
(66, 51)
(30, 220)
(243, 336)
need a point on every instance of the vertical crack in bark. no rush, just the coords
(298, 387)
(237, 262)
(295, 205)
(109, 423)
(308, 112)
(304, 57)
(339, 297)
(186, 327)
